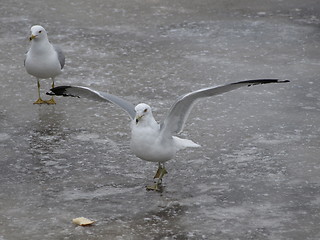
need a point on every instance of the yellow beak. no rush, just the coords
(32, 37)
(138, 119)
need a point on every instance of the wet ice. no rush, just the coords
(256, 175)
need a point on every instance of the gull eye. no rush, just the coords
(145, 110)
(40, 31)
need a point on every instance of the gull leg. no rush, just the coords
(51, 101)
(160, 172)
(159, 175)
(39, 101)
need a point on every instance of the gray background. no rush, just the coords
(256, 175)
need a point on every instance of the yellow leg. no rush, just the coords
(51, 101)
(159, 175)
(39, 101)
(160, 172)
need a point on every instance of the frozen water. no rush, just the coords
(4, 136)
(256, 175)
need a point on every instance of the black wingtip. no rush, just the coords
(60, 91)
(261, 81)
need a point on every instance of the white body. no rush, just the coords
(42, 61)
(147, 141)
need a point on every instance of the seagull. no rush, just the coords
(43, 60)
(150, 140)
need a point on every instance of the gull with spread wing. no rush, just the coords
(43, 60)
(151, 141)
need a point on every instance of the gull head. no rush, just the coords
(143, 113)
(38, 33)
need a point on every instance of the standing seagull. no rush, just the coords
(43, 60)
(151, 141)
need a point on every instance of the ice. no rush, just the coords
(4, 137)
(256, 175)
(87, 137)
(275, 139)
(99, 193)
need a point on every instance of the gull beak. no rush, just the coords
(138, 118)
(32, 37)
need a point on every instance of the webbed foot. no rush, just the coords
(51, 101)
(156, 187)
(40, 101)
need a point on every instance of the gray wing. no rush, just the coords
(179, 112)
(61, 56)
(25, 58)
(84, 92)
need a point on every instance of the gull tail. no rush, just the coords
(184, 143)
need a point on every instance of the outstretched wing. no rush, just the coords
(84, 92)
(179, 112)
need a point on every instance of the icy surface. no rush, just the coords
(256, 175)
